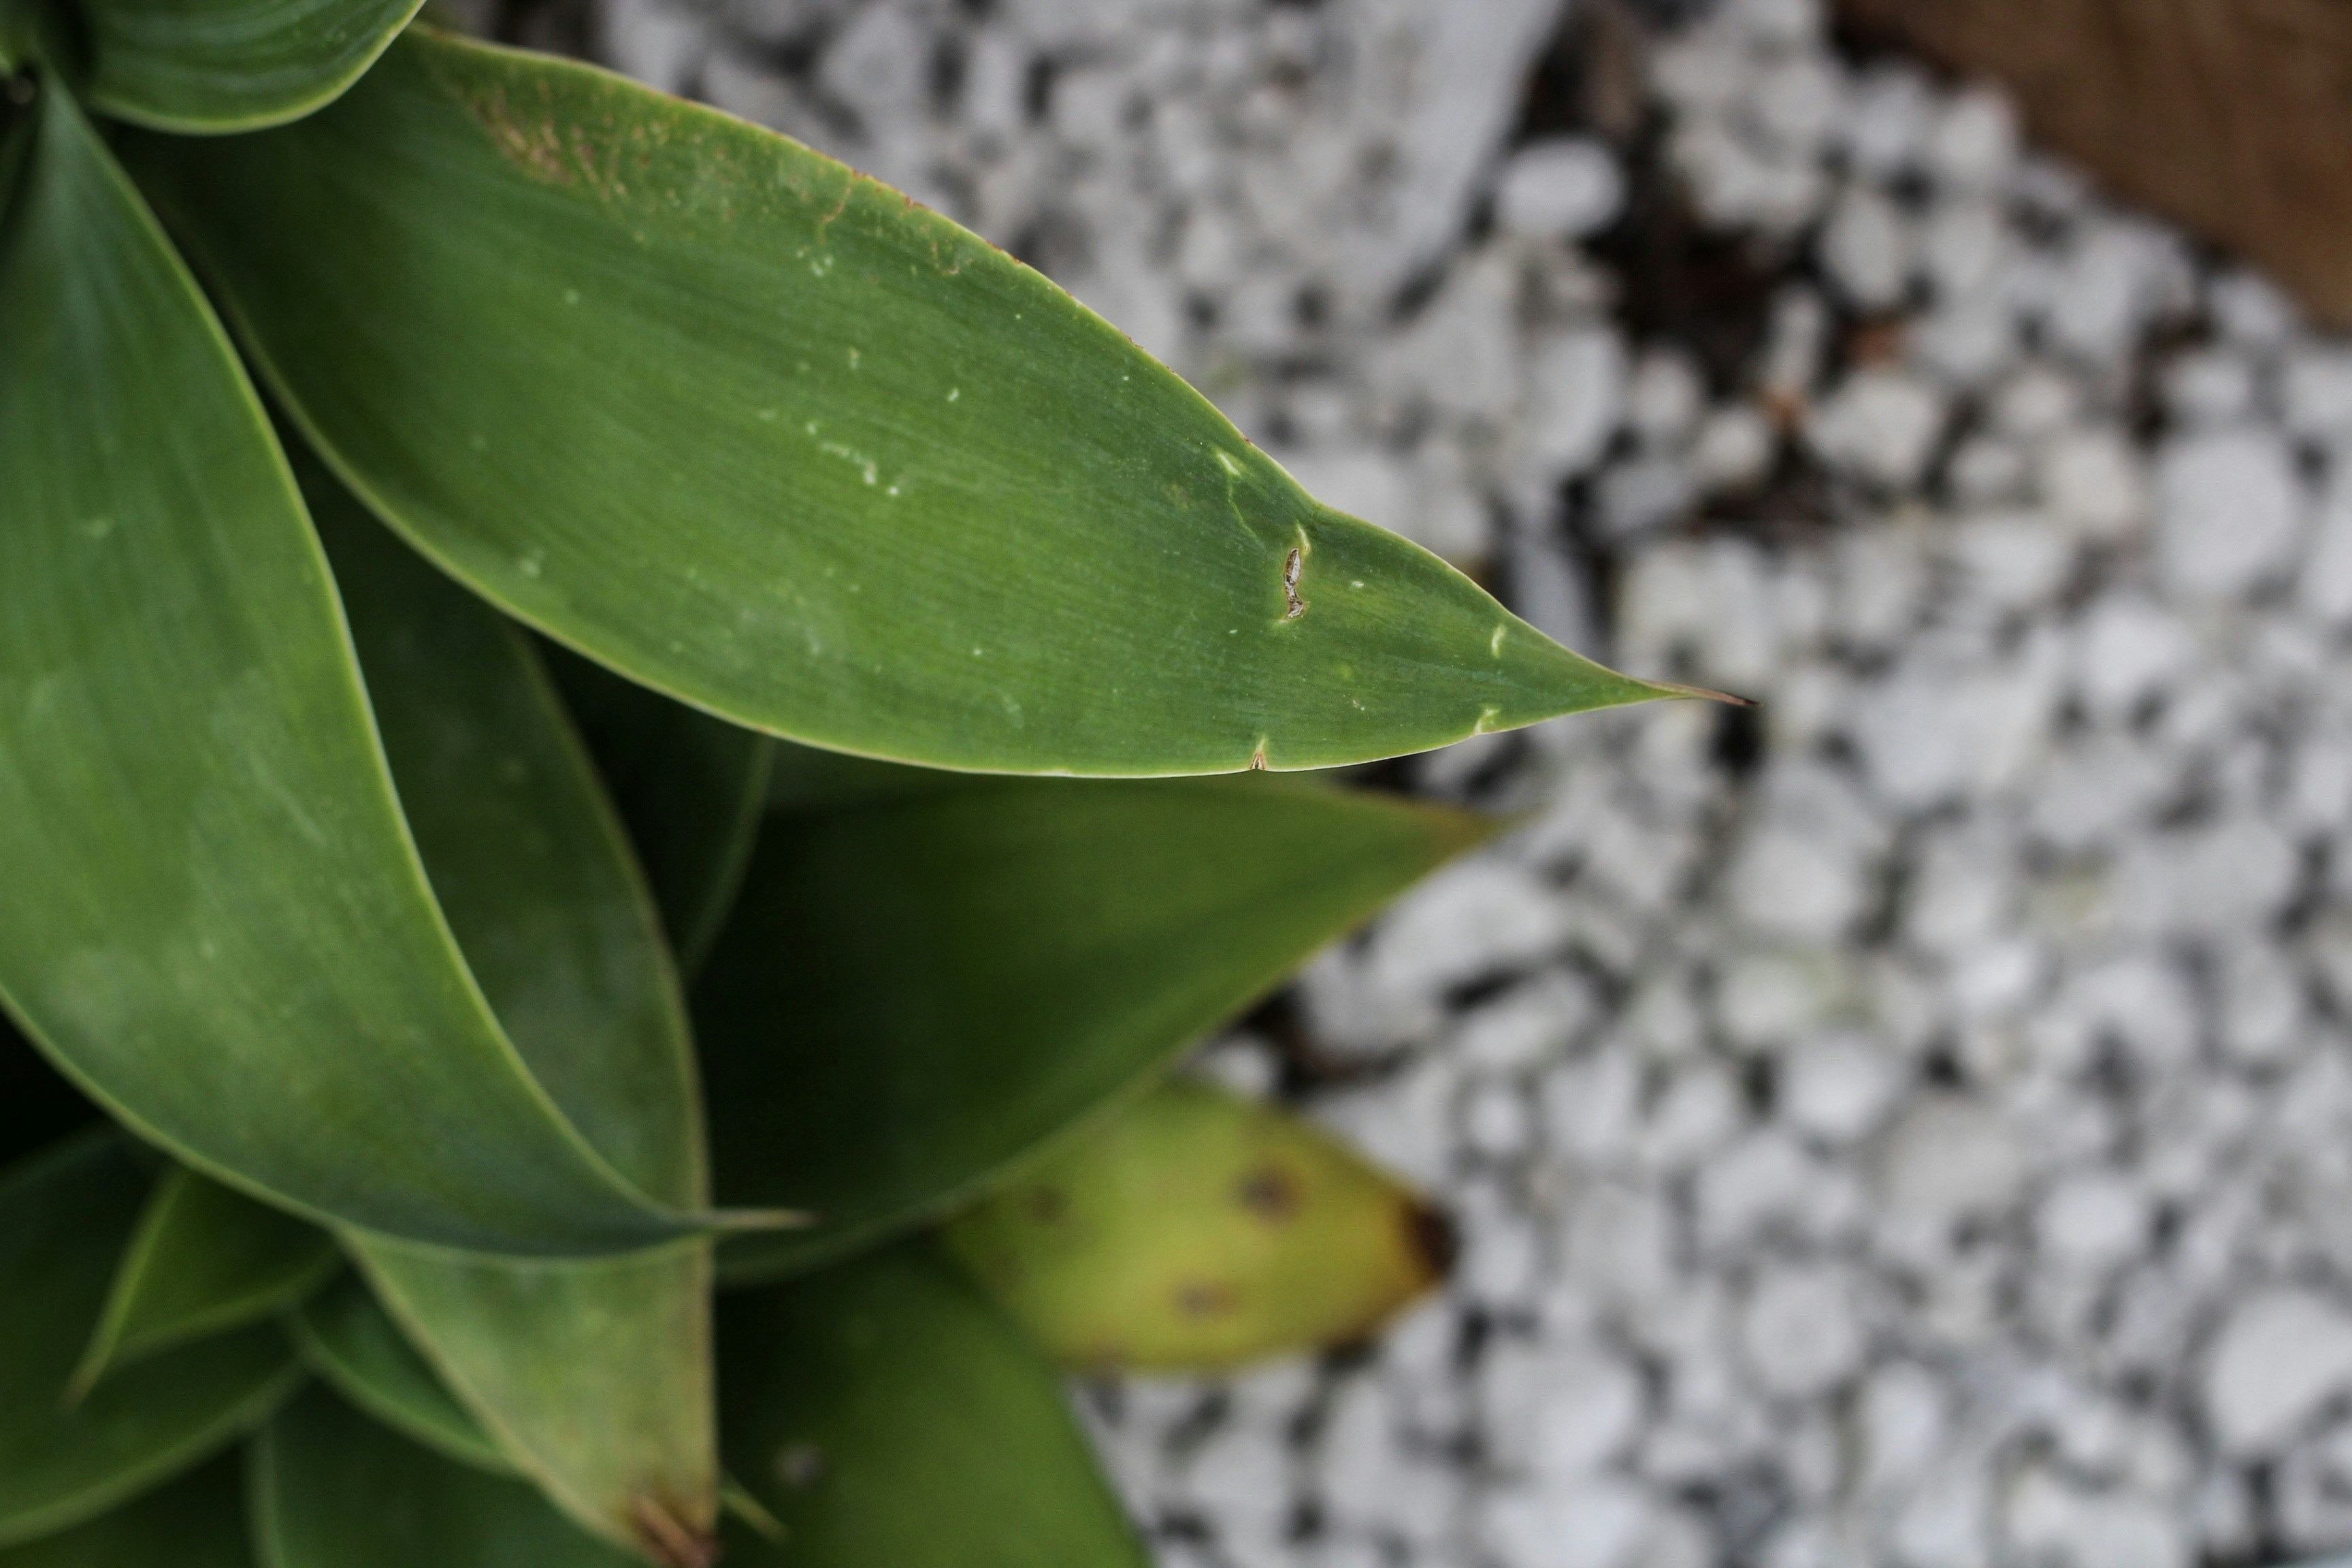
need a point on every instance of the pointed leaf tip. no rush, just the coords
(885, 489)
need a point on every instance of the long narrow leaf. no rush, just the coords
(231, 65)
(764, 435)
(595, 1376)
(64, 1216)
(916, 991)
(887, 1414)
(215, 920)
(334, 1490)
(198, 1521)
(1197, 1230)
(202, 1260)
(690, 788)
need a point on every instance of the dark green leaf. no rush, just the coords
(689, 787)
(916, 991)
(594, 1376)
(888, 1413)
(334, 1490)
(64, 1216)
(202, 1261)
(765, 436)
(197, 1521)
(37, 1106)
(352, 1343)
(216, 921)
(231, 65)
(1196, 1230)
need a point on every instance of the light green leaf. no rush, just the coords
(64, 1216)
(689, 787)
(887, 1414)
(216, 922)
(916, 991)
(595, 1377)
(202, 1261)
(210, 66)
(350, 1342)
(334, 1490)
(764, 435)
(197, 1521)
(1197, 1230)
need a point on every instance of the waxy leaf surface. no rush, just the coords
(690, 788)
(332, 1489)
(1197, 1230)
(763, 434)
(915, 991)
(595, 1376)
(202, 1260)
(64, 1216)
(231, 65)
(216, 921)
(884, 1411)
(197, 1521)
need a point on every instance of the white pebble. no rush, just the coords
(1800, 1334)
(2281, 1357)
(1563, 186)
(1880, 424)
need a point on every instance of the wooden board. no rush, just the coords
(2232, 116)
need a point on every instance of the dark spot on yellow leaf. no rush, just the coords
(1270, 1193)
(1205, 1299)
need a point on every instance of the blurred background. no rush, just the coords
(1908, 1123)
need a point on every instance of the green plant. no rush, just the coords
(622, 455)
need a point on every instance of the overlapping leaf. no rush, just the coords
(231, 65)
(763, 434)
(202, 1261)
(334, 1490)
(1198, 1230)
(595, 1376)
(689, 787)
(197, 1521)
(349, 1340)
(919, 988)
(64, 1216)
(214, 918)
(886, 1413)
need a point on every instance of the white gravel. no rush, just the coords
(1910, 1125)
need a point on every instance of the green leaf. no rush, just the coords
(197, 1521)
(351, 1342)
(334, 1490)
(202, 1260)
(216, 921)
(1198, 1230)
(886, 1413)
(916, 991)
(764, 434)
(689, 787)
(210, 66)
(595, 1377)
(64, 1216)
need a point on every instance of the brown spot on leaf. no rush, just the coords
(1047, 1205)
(1270, 1193)
(1205, 1299)
(1431, 1239)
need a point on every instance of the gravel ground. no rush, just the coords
(1906, 1124)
